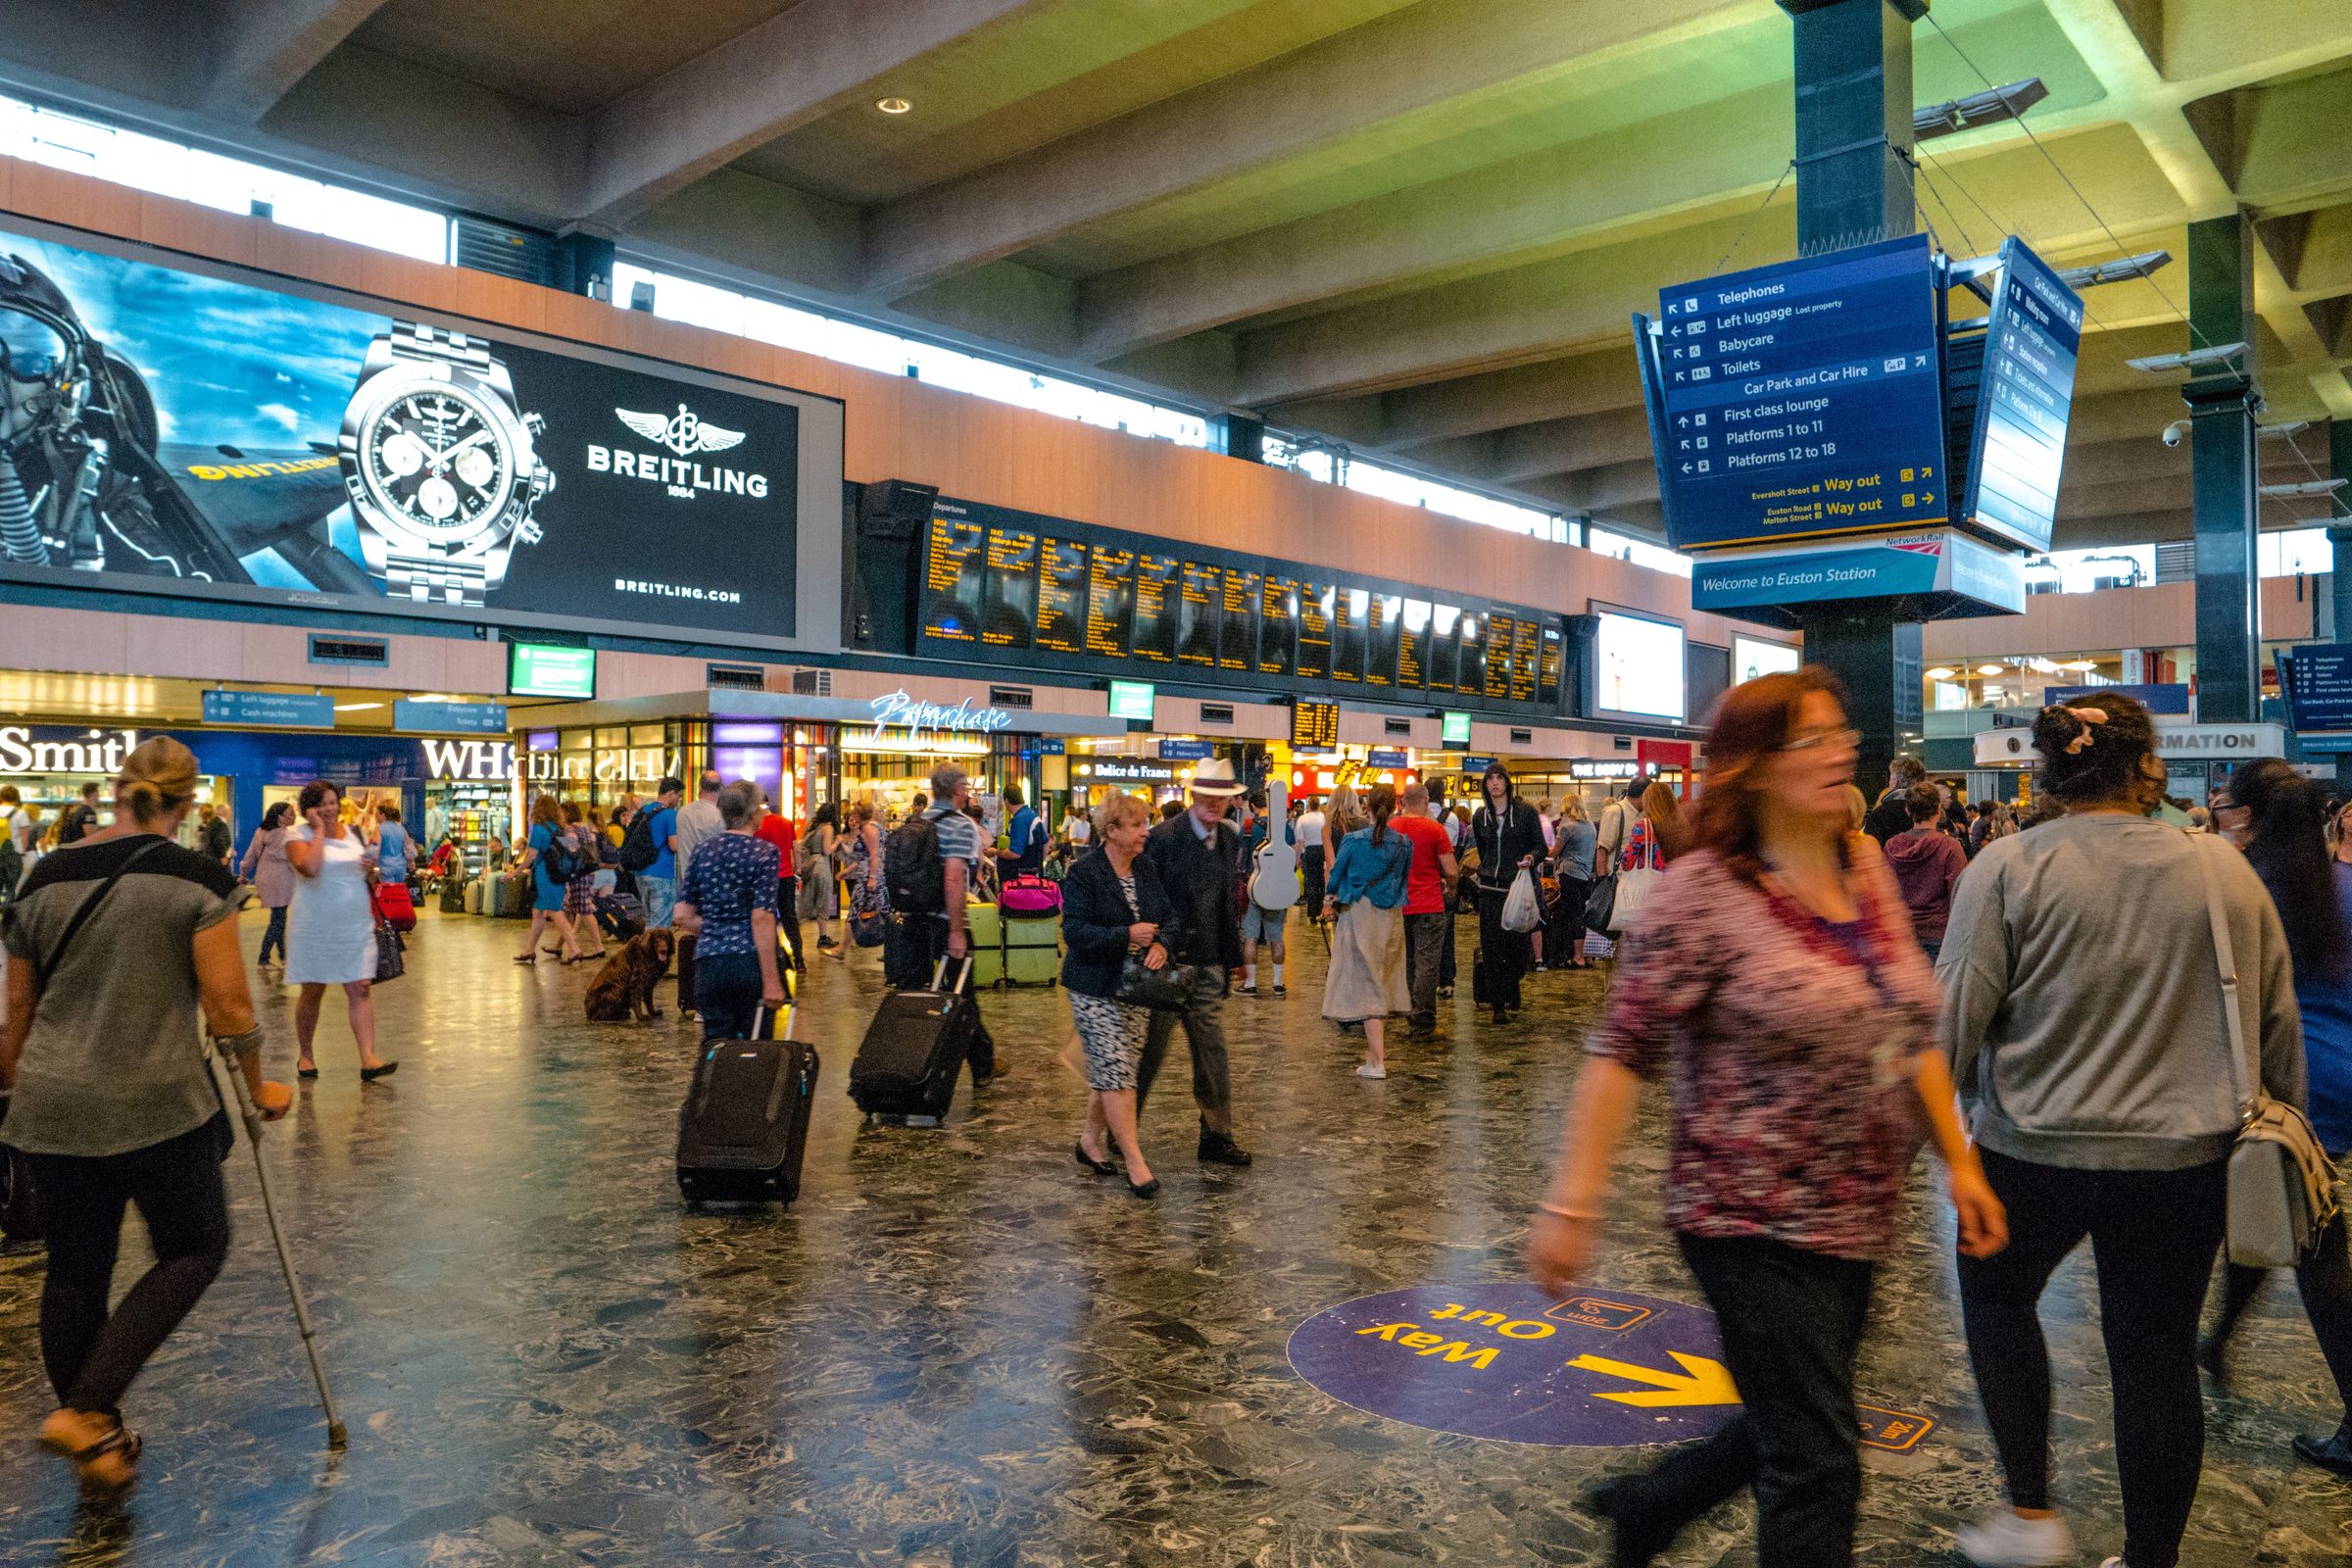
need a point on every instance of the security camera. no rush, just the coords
(2176, 433)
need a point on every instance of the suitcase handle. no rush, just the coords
(963, 975)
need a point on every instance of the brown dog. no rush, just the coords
(623, 989)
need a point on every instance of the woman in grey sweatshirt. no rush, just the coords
(2082, 1015)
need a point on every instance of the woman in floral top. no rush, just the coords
(1775, 981)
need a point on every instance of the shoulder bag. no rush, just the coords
(1167, 989)
(2283, 1186)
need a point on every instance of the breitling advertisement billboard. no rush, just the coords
(171, 430)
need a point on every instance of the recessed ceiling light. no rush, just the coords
(1943, 672)
(894, 105)
(1992, 669)
(2079, 663)
(356, 708)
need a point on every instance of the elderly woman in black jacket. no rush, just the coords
(1112, 904)
(1508, 835)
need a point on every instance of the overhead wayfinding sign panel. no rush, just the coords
(2019, 440)
(1801, 399)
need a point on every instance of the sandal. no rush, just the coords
(526, 958)
(108, 1462)
(311, 1071)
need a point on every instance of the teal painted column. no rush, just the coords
(2339, 535)
(1853, 188)
(2222, 405)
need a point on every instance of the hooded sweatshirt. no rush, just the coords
(1926, 863)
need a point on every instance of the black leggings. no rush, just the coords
(275, 936)
(2326, 1281)
(1792, 1324)
(2154, 1233)
(1505, 954)
(92, 1358)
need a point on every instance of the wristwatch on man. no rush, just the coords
(439, 464)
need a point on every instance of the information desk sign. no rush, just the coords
(2027, 387)
(1802, 399)
(1315, 727)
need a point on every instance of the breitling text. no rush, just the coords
(671, 590)
(680, 476)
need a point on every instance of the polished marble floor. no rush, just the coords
(957, 1349)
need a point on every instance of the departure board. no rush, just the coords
(1413, 645)
(1444, 656)
(1237, 650)
(1523, 660)
(1314, 630)
(1315, 727)
(1199, 613)
(1061, 597)
(1277, 625)
(1348, 607)
(1010, 610)
(1029, 592)
(1156, 593)
(1380, 640)
(1109, 602)
(1471, 679)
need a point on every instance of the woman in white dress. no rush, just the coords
(333, 941)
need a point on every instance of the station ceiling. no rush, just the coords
(1415, 227)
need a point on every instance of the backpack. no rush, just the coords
(913, 870)
(561, 859)
(638, 851)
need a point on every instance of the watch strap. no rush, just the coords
(414, 340)
(436, 580)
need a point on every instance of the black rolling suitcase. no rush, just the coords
(744, 1128)
(913, 1050)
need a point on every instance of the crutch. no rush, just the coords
(336, 1437)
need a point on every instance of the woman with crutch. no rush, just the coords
(117, 943)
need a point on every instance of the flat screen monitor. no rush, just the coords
(1637, 666)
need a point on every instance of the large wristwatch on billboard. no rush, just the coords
(439, 463)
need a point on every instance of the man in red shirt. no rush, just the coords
(780, 831)
(1428, 895)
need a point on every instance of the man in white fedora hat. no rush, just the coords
(1198, 855)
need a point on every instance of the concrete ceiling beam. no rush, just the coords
(1548, 447)
(1409, 60)
(264, 48)
(1561, 389)
(1524, 204)
(761, 85)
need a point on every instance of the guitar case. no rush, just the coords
(1274, 876)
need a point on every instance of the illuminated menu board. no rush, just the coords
(1314, 630)
(1348, 607)
(1315, 727)
(1109, 602)
(1523, 660)
(1413, 645)
(951, 584)
(1009, 617)
(1198, 614)
(1500, 629)
(1551, 662)
(1237, 650)
(1380, 640)
(1155, 588)
(1029, 592)
(1277, 624)
(1061, 598)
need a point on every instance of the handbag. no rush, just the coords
(1167, 989)
(391, 963)
(1600, 904)
(1522, 906)
(2282, 1184)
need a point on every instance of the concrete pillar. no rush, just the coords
(2339, 535)
(1853, 188)
(2222, 405)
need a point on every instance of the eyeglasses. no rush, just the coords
(1836, 739)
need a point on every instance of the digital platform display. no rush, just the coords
(2024, 393)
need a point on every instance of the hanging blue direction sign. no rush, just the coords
(2319, 686)
(2026, 389)
(1799, 400)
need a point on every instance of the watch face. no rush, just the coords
(439, 462)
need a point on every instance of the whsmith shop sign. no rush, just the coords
(23, 749)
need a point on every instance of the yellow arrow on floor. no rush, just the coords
(1706, 1382)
